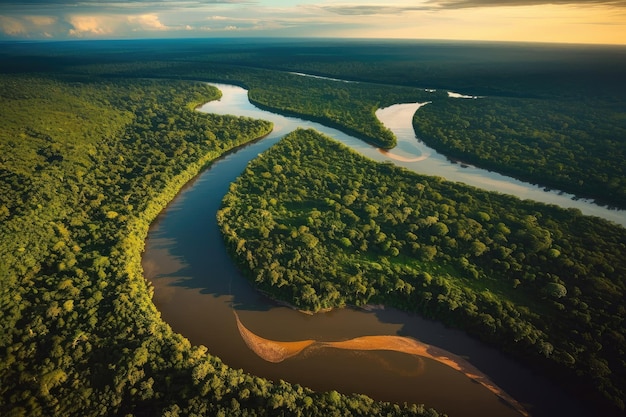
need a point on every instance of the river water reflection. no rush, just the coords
(197, 287)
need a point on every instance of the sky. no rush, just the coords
(561, 21)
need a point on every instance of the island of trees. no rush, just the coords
(319, 226)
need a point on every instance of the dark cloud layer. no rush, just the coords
(372, 9)
(368, 10)
(139, 3)
(464, 4)
(32, 5)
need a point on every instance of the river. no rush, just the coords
(197, 287)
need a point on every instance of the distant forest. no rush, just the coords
(96, 138)
(550, 115)
(564, 102)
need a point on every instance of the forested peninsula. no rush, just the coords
(86, 165)
(319, 226)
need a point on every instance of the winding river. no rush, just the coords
(197, 287)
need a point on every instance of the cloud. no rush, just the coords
(349, 10)
(110, 18)
(147, 22)
(90, 7)
(462, 19)
(118, 25)
(11, 26)
(91, 25)
(432, 5)
(28, 26)
(118, 3)
(41, 20)
(464, 4)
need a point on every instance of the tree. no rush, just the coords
(556, 290)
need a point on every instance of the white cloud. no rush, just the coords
(12, 26)
(115, 25)
(29, 26)
(41, 20)
(91, 25)
(369, 10)
(147, 22)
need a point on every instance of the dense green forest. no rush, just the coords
(578, 147)
(558, 121)
(93, 149)
(85, 165)
(319, 226)
(349, 107)
(478, 68)
(552, 116)
(564, 102)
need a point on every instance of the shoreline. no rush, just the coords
(277, 351)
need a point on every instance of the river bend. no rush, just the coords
(197, 286)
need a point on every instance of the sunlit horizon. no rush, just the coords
(560, 21)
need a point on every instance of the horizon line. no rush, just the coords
(258, 39)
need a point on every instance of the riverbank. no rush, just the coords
(375, 232)
(196, 295)
(75, 303)
(198, 288)
(398, 119)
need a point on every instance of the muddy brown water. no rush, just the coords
(197, 286)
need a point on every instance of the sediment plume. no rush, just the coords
(271, 350)
(278, 351)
